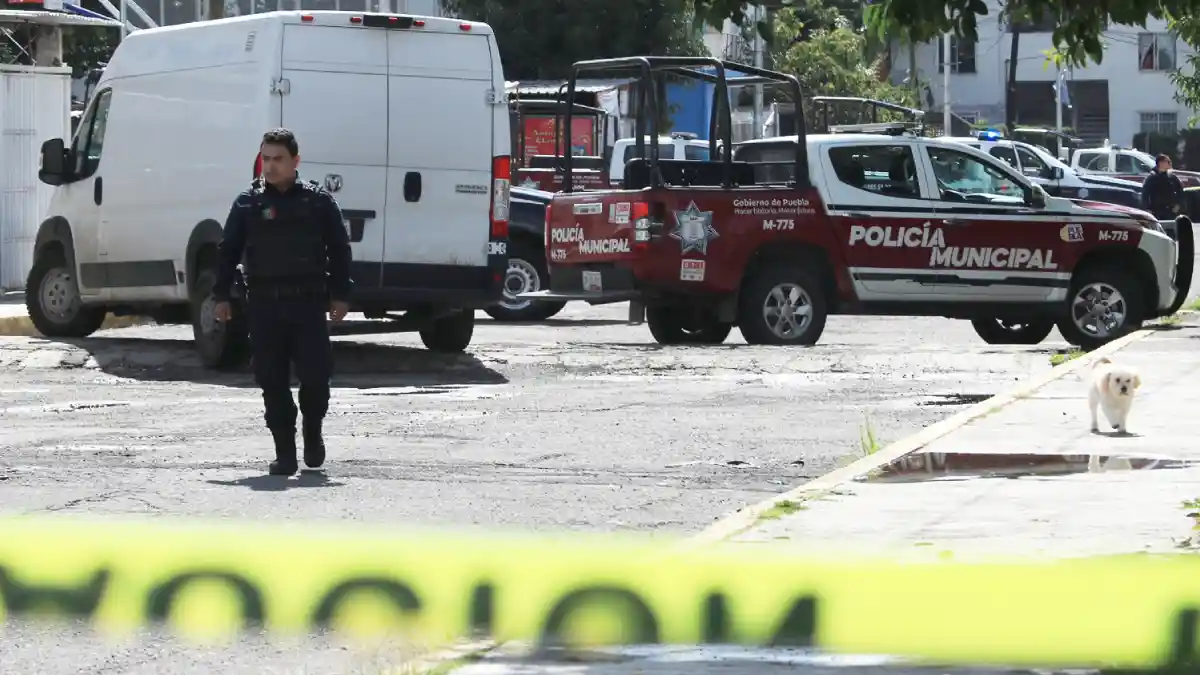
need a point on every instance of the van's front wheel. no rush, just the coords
(53, 301)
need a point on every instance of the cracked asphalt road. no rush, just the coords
(581, 423)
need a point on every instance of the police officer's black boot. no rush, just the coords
(314, 444)
(285, 453)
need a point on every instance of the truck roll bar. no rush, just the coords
(645, 69)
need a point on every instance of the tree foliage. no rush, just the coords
(818, 45)
(1077, 38)
(84, 47)
(540, 39)
(1187, 79)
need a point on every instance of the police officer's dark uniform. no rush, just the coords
(1162, 193)
(296, 258)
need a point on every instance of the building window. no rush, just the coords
(1166, 123)
(962, 55)
(1156, 51)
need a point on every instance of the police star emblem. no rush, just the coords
(693, 229)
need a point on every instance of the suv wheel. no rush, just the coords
(220, 344)
(677, 326)
(53, 301)
(526, 273)
(450, 334)
(1104, 303)
(1003, 332)
(782, 305)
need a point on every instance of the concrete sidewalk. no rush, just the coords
(14, 318)
(1029, 478)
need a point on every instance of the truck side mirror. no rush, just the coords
(53, 170)
(1035, 197)
(1057, 173)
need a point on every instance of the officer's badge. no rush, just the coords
(269, 213)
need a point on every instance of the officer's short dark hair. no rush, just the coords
(282, 137)
(1160, 158)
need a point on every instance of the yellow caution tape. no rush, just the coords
(1118, 612)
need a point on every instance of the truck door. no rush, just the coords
(337, 105)
(991, 252)
(439, 159)
(879, 203)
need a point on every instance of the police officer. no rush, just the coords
(1162, 191)
(297, 267)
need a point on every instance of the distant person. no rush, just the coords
(297, 268)
(1162, 191)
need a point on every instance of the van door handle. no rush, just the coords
(98, 190)
(954, 221)
(412, 186)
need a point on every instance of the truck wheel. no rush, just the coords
(220, 344)
(451, 334)
(53, 302)
(526, 273)
(782, 305)
(1103, 304)
(677, 326)
(1003, 332)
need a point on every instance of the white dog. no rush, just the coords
(1112, 391)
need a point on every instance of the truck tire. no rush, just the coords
(220, 344)
(1088, 324)
(996, 331)
(680, 326)
(53, 302)
(782, 305)
(526, 273)
(450, 334)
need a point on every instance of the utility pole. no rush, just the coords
(759, 46)
(946, 61)
(1010, 93)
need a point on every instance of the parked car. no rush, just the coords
(526, 259)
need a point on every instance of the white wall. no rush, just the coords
(1131, 91)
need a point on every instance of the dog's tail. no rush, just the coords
(1101, 360)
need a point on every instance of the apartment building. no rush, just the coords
(1127, 92)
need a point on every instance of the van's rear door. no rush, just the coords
(337, 105)
(439, 157)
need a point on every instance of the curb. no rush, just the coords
(746, 518)
(21, 325)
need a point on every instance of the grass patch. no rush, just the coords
(1173, 320)
(781, 508)
(1193, 306)
(1192, 506)
(867, 441)
(1062, 357)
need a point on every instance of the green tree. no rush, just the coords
(830, 59)
(1187, 79)
(540, 39)
(84, 47)
(1077, 38)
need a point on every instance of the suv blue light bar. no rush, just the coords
(990, 135)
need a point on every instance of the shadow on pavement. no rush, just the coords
(266, 483)
(559, 323)
(356, 364)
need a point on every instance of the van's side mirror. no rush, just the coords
(53, 170)
(1057, 173)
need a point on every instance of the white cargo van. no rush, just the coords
(402, 118)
